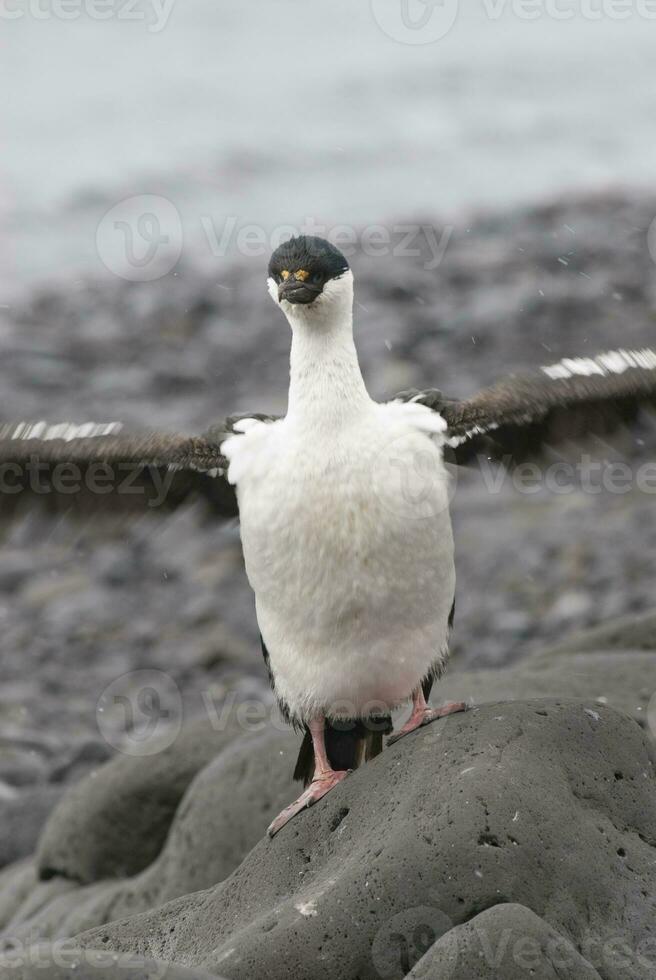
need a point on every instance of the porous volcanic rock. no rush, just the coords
(22, 818)
(547, 804)
(506, 941)
(221, 817)
(624, 679)
(114, 822)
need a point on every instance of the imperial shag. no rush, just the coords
(344, 507)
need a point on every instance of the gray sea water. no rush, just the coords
(273, 112)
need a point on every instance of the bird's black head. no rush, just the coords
(302, 266)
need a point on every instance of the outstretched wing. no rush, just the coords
(94, 467)
(568, 401)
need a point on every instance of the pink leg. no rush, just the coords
(423, 715)
(324, 779)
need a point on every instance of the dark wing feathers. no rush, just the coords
(517, 418)
(94, 468)
(149, 449)
(513, 420)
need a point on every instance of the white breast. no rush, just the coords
(348, 548)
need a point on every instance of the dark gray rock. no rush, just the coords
(24, 898)
(115, 821)
(506, 941)
(546, 804)
(621, 633)
(223, 814)
(21, 821)
(22, 766)
(82, 758)
(624, 679)
(17, 882)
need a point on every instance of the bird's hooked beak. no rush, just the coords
(295, 288)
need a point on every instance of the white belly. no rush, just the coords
(350, 555)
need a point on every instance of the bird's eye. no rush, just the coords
(316, 277)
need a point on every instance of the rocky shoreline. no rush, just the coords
(515, 839)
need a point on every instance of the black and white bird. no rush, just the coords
(344, 507)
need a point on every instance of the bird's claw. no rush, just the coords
(315, 792)
(425, 717)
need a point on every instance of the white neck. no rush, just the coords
(326, 388)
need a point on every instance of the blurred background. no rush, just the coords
(490, 166)
(276, 111)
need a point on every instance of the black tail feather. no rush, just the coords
(348, 744)
(374, 744)
(305, 762)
